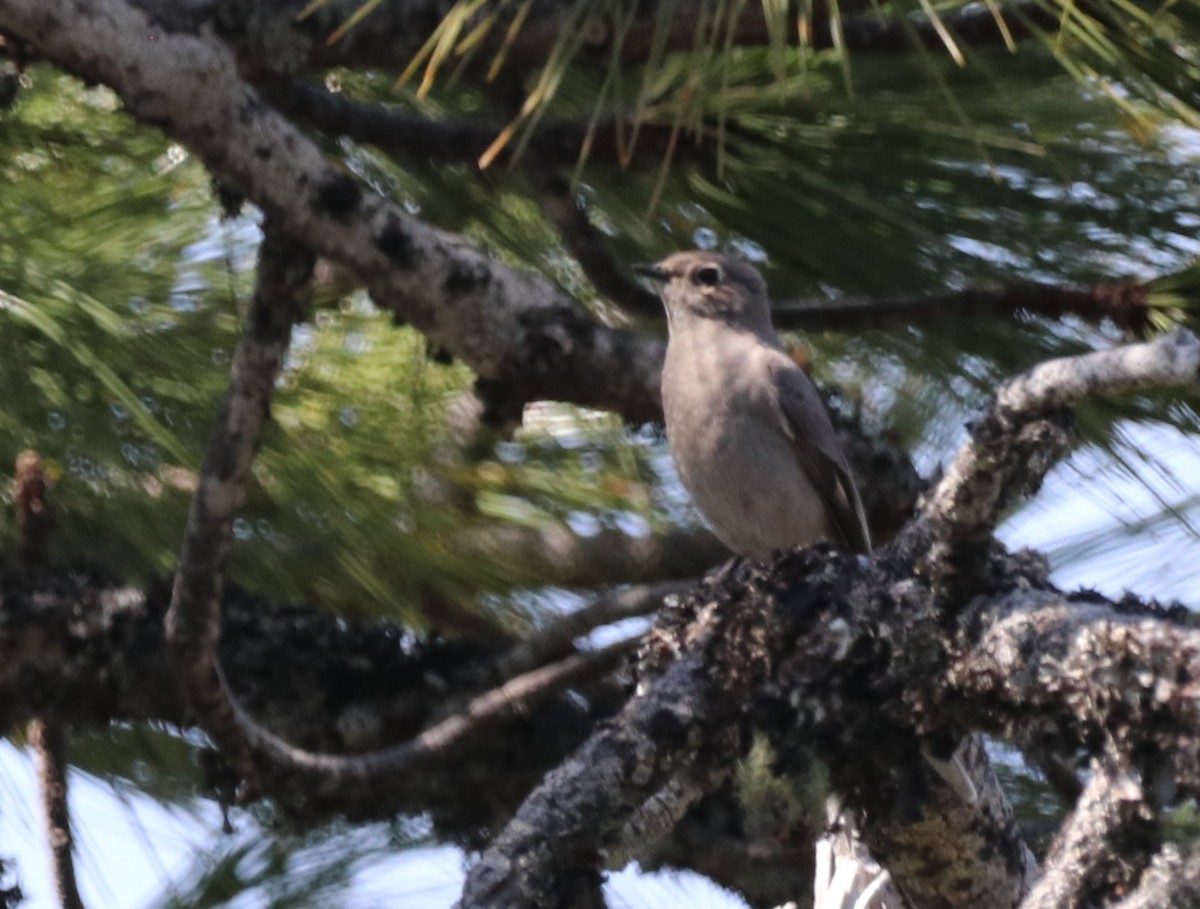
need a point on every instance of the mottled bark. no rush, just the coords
(1103, 847)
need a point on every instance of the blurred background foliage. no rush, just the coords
(1072, 161)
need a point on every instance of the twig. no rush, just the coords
(1125, 305)
(587, 245)
(555, 639)
(49, 745)
(46, 736)
(411, 136)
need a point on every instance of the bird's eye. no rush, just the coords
(709, 276)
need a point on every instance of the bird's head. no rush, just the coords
(711, 285)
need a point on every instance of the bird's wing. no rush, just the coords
(807, 425)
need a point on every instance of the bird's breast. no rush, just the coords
(728, 441)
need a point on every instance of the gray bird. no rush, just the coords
(748, 430)
(746, 426)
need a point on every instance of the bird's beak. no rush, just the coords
(654, 272)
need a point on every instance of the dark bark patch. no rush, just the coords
(395, 242)
(338, 195)
(667, 729)
(463, 278)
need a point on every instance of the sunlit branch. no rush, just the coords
(1173, 879)
(1023, 433)
(1075, 652)
(540, 345)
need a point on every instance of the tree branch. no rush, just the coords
(396, 32)
(1125, 305)
(538, 344)
(807, 635)
(555, 640)
(1022, 434)
(1172, 880)
(585, 801)
(1078, 670)
(1103, 847)
(49, 744)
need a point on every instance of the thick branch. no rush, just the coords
(1172, 880)
(551, 853)
(517, 332)
(804, 636)
(1077, 671)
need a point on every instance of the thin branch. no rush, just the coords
(562, 557)
(1103, 847)
(47, 737)
(586, 244)
(338, 780)
(49, 745)
(555, 640)
(414, 137)
(1125, 305)
(396, 32)
(193, 621)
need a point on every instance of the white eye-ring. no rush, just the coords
(708, 275)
